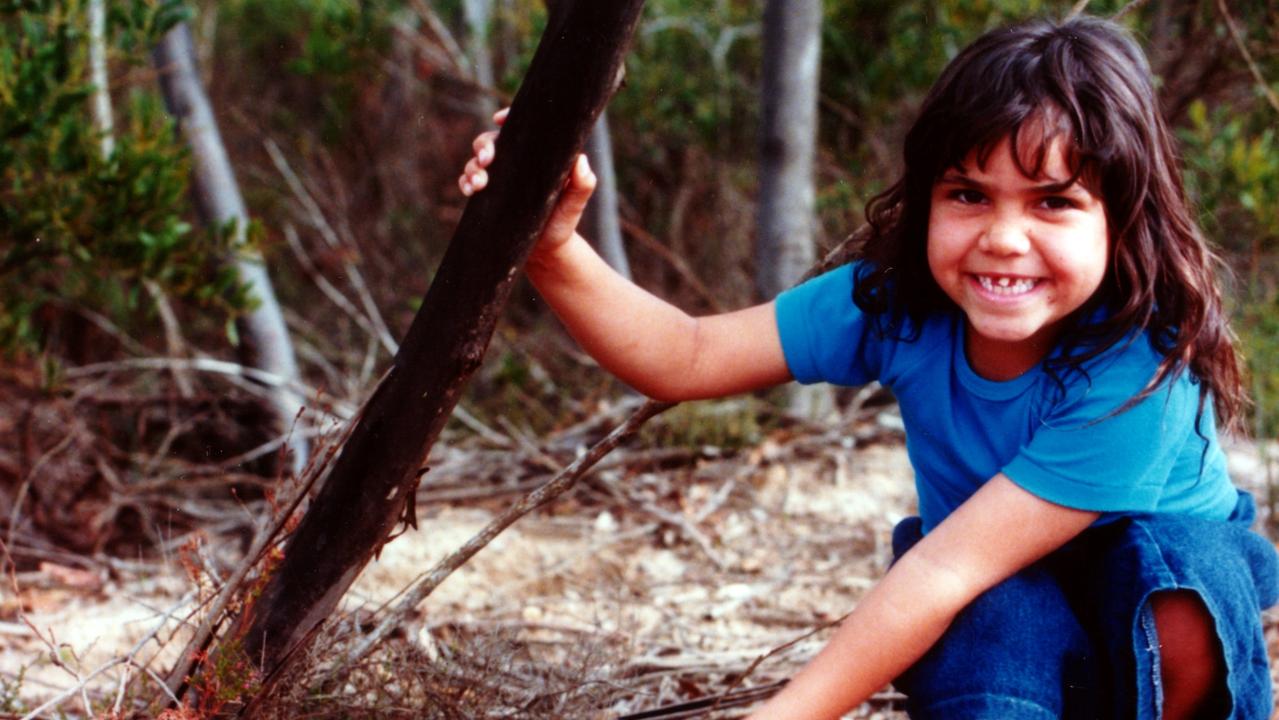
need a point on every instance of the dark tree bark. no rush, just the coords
(576, 69)
(264, 339)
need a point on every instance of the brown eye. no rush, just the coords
(1058, 202)
(966, 196)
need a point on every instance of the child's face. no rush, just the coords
(1017, 255)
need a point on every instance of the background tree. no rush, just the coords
(786, 242)
(83, 221)
(264, 341)
(479, 15)
(602, 222)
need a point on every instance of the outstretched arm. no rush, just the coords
(997, 532)
(648, 343)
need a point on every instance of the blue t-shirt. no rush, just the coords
(1061, 441)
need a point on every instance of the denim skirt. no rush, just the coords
(1073, 636)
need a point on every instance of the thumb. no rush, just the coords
(572, 203)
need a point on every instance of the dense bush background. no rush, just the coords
(373, 104)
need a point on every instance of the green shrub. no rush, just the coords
(78, 228)
(1232, 163)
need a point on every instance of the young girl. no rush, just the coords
(1039, 299)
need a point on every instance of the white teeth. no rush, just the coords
(1005, 285)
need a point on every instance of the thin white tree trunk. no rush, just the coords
(104, 120)
(787, 203)
(601, 221)
(264, 339)
(478, 15)
(102, 113)
(787, 221)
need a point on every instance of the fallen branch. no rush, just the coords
(208, 365)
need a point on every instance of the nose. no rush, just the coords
(1004, 236)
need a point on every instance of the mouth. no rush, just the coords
(1005, 285)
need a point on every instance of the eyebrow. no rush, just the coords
(957, 178)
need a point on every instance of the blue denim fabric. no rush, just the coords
(1073, 636)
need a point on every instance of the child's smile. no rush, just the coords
(1017, 254)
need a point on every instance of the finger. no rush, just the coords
(473, 178)
(582, 179)
(484, 141)
(499, 117)
(486, 148)
(568, 211)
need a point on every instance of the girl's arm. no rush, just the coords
(997, 532)
(646, 342)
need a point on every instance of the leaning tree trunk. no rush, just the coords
(369, 489)
(264, 339)
(786, 243)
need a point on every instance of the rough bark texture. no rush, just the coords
(264, 339)
(601, 223)
(576, 69)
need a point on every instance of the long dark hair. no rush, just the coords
(1085, 82)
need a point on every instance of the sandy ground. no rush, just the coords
(677, 574)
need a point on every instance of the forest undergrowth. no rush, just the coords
(725, 533)
(693, 570)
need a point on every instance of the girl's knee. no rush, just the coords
(1191, 663)
(1028, 645)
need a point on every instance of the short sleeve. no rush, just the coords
(825, 336)
(1083, 454)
